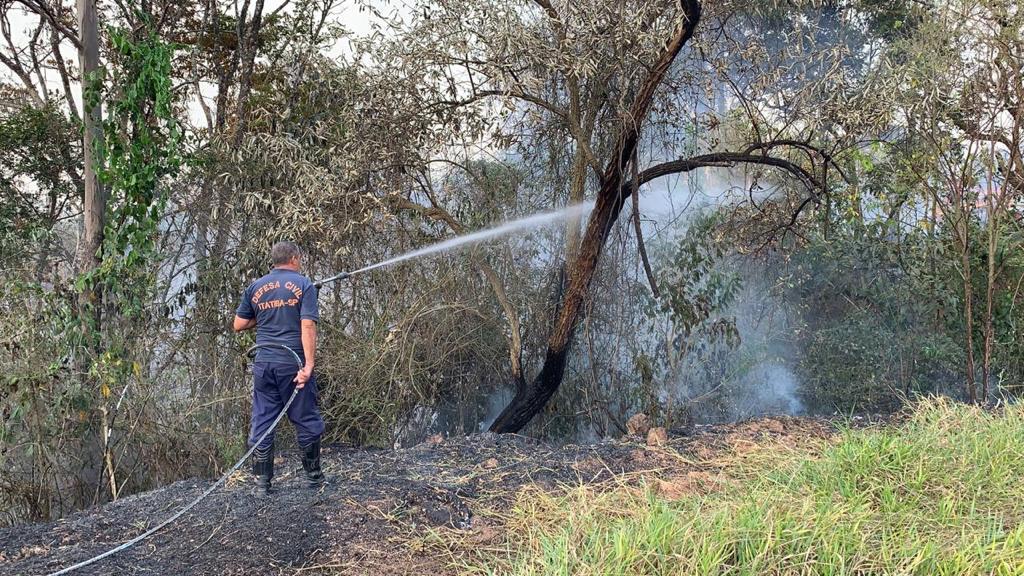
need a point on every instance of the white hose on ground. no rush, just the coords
(206, 493)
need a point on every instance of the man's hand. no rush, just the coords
(303, 376)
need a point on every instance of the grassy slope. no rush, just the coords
(943, 493)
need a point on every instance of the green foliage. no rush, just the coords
(60, 366)
(321, 150)
(690, 326)
(140, 147)
(697, 287)
(890, 20)
(38, 156)
(870, 335)
(41, 396)
(936, 495)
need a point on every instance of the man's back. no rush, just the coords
(282, 307)
(279, 302)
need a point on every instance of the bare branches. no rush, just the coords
(569, 118)
(435, 212)
(549, 10)
(12, 60)
(249, 39)
(54, 15)
(65, 79)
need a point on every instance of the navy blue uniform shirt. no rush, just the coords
(279, 302)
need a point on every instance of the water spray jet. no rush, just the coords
(477, 237)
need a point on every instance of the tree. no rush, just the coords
(964, 129)
(94, 204)
(589, 74)
(611, 197)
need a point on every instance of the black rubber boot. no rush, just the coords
(263, 468)
(311, 464)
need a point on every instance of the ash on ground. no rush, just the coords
(378, 508)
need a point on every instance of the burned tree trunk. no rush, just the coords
(529, 400)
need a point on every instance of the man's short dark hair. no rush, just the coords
(283, 252)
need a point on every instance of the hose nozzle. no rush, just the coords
(338, 276)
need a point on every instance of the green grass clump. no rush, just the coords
(941, 494)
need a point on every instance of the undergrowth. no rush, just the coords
(940, 494)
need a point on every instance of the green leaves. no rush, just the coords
(139, 148)
(696, 287)
(37, 146)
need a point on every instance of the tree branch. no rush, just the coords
(39, 7)
(639, 231)
(65, 79)
(723, 160)
(562, 114)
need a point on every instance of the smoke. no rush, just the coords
(770, 388)
(719, 383)
(765, 382)
(495, 403)
(712, 381)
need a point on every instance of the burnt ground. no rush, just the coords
(377, 512)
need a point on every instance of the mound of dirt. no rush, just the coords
(375, 511)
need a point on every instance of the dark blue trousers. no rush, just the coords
(272, 387)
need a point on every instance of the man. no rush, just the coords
(282, 306)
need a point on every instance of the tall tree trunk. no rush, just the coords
(531, 399)
(94, 204)
(577, 188)
(990, 294)
(95, 200)
(993, 223)
(994, 205)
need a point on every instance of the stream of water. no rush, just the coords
(504, 229)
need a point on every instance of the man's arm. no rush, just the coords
(242, 324)
(245, 316)
(309, 350)
(309, 313)
(309, 341)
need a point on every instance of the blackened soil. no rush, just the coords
(371, 518)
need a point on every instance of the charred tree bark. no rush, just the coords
(531, 399)
(535, 396)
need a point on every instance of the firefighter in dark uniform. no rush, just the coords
(282, 306)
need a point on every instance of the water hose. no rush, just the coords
(208, 491)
